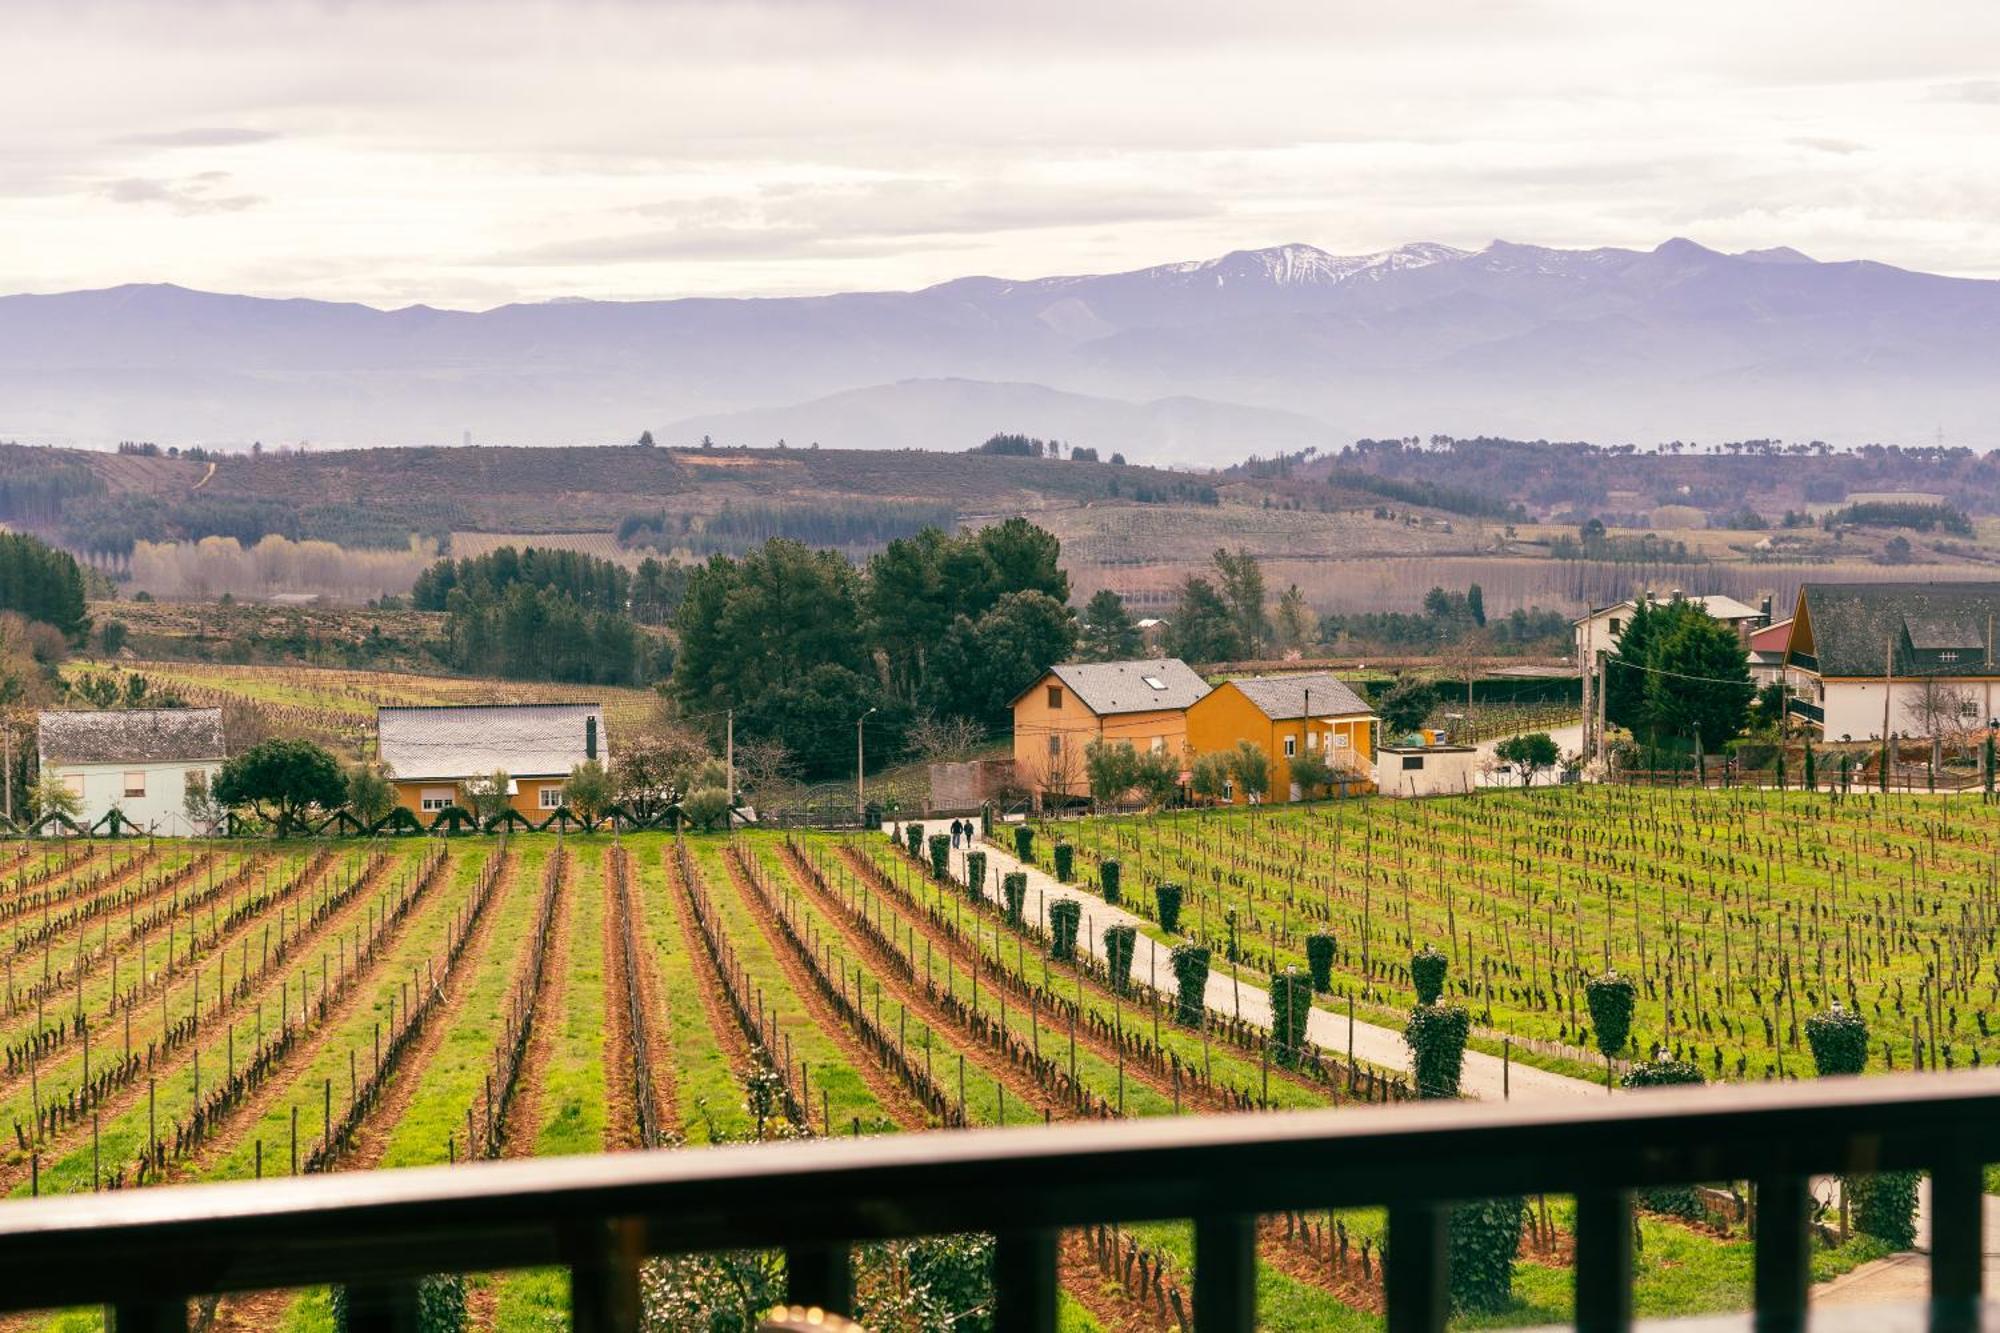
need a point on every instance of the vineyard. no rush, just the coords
(196, 1012)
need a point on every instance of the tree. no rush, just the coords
(1529, 754)
(1157, 775)
(588, 791)
(1475, 603)
(1406, 704)
(655, 769)
(281, 780)
(1938, 708)
(112, 636)
(1296, 625)
(49, 796)
(1209, 777)
(1313, 771)
(1243, 587)
(1700, 680)
(645, 439)
(1112, 768)
(1109, 633)
(369, 794)
(982, 665)
(1251, 768)
(486, 797)
(1202, 628)
(936, 739)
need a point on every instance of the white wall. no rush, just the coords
(161, 809)
(1854, 708)
(1443, 772)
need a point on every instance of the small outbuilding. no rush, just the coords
(138, 761)
(1426, 770)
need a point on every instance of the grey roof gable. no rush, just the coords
(1854, 624)
(1107, 688)
(469, 741)
(1283, 697)
(131, 736)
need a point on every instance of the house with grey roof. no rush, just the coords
(138, 761)
(1143, 702)
(1312, 716)
(1905, 659)
(430, 752)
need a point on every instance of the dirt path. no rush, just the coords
(895, 1100)
(708, 988)
(1105, 1298)
(524, 1113)
(883, 967)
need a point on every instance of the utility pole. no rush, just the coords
(860, 768)
(1603, 681)
(1585, 664)
(729, 763)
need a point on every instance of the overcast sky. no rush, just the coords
(472, 154)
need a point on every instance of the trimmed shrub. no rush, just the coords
(440, 1305)
(1014, 888)
(1065, 856)
(940, 856)
(1118, 943)
(1427, 969)
(1229, 948)
(1024, 843)
(1482, 1239)
(1883, 1205)
(1436, 1036)
(1839, 1041)
(914, 835)
(1107, 878)
(1167, 898)
(1319, 960)
(1673, 1200)
(1291, 1002)
(1611, 999)
(1064, 913)
(975, 875)
(1191, 977)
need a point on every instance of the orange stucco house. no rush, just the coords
(431, 752)
(1144, 702)
(1283, 716)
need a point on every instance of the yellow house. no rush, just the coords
(1144, 702)
(1284, 716)
(430, 753)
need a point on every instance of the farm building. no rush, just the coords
(1918, 656)
(432, 751)
(1144, 702)
(1285, 716)
(1426, 770)
(138, 761)
(1767, 651)
(1599, 631)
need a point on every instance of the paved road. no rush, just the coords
(1483, 1076)
(1567, 739)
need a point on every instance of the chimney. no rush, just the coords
(1765, 607)
(590, 736)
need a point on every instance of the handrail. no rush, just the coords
(141, 1250)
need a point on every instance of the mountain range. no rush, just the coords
(1204, 362)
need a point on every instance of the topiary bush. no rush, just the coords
(1024, 844)
(914, 835)
(440, 1305)
(1191, 976)
(1064, 913)
(1427, 969)
(1065, 858)
(940, 845)
(1118, 944)
(1107, 878)
(1291, 1002)
(975, 874)
(1436, 1036)
(1482, 1239)
(1014, 888)
(1839, 1041)
(1611, 999)
(1229, 947)
(1673, 1200)
(1883, 1205)
(1319, 960)
(1167, 898)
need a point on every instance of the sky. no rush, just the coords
(472, 154)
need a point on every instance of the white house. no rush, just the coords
(1601, 629)
(137, 760)
(1918, 655)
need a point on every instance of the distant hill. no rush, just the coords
(1678, 342)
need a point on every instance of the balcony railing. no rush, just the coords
(143, 1253)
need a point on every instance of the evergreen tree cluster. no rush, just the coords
(1679, 674)
(538, 614)
(42, 583)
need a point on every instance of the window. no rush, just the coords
(1312, 740)
(433, 799)
(1416, 760)
(1055, 743)
(552, 798)
(1616, 624)
(1291, 746)
(1159, 744)
(1229, 789)
(1968, 708)
(1154, 682)
(1948, 655)
(1340, 741)
(73, 784)
(135, 785)
(1055, 696)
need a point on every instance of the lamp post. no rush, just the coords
(859, 793)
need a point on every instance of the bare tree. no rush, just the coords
(1055, 773)
(1939, 709)
(935, 739)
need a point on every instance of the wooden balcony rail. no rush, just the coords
(142, 1253)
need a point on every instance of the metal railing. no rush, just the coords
(143, 1253)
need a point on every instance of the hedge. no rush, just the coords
(1065, 856)
(1319, 960)
(1291, 1002)
(1024, 843)
(1014, 888)
(1107, 878)
(940, 845)
(1064, 913)
(1611, 999)
(1191, 975)
(440, 1305)
(1482, 1239)
(1436, 1037)
(975, 874)
(1167, 897)
(914, 835)
(1883, 1205)
(1674, 1200)
(1118, 942)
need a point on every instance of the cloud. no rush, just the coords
(1985, 92)
(1838, 147)
(187, 195)
(213, 136)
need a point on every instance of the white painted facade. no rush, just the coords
(1854, 707)
(150, 795)
(1601, 629)
(1426, 770)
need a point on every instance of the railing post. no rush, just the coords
(1957, 1242)
(1782, 1266)
(821, 1275)
(1604, 1261)
(147, 1317)
(1225, 1274)
(383, 1307)
(604, 1279)
(1024, 1282)
(1415, 1268)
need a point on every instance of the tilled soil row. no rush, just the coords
(521, 1118)
(503, 1083)
(707, 983)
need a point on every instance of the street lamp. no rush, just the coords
(859, 808)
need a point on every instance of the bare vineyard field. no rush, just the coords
(193, 1012)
